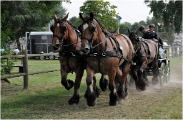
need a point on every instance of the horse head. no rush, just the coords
(88, 32)
(133, 37)
(60, 31)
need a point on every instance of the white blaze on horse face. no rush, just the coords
(58, 25)
(85, 26)
(57, 42)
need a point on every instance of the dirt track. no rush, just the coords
(49, 103)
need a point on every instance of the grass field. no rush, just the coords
(46, 98)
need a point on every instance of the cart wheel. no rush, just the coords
(162, 74)
(52, 57)
(41, 57)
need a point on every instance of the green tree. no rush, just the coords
(18, 17)
(135, 26)
(142, 22)
(123, 28)
(75, 21)
(103, 11)
(170, 12)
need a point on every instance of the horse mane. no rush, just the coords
(74, 28)
(72, 25)
(105, 31)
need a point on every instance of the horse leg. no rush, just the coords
(103, 82)
(145, 76)
(121, 87)
(90, 94)
(68, 84)
(155, 71)
(130, 80)
(123, 90)
(96, 89)
(112, 87)
(135, 76)
(142, 82)
(75, 98)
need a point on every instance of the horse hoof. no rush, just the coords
(74, 100)
(142, 88)
(103, 84)
(142, 85)
(91, 99)
(113, 99)
(68, 85)
(114, 103)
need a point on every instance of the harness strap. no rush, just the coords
(145, 48)
(112, 44)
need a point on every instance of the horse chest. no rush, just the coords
(102, 65)
(68, 63)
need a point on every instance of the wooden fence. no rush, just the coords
(25, 72)
(171, 51)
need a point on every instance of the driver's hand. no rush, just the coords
(155, 40)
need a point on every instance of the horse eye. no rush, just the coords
(63, 28)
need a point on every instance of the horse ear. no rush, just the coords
(91, 16)
(81, 16)
(129, 31)
(55, 17)
(65, 18)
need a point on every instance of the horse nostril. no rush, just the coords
(56, 47)
(86, 49)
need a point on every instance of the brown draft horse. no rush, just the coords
(146, 55)
(108, 54)
(66, 39)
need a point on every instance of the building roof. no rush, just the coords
(41, 33)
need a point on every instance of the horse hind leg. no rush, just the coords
(142, 82)
(68, 84)
(123, 90)
(145, 77)
(103, 82)
(155, 71)
(120, 87)
(75, 98)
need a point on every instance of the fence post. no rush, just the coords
(25, 69)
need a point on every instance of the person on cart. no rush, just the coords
(151, 34)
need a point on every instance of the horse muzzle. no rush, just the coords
(84, 51)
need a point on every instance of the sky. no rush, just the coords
(130, 10)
